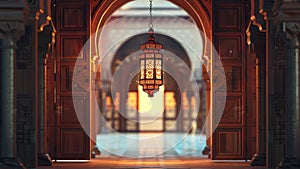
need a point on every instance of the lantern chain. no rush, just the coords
(150, 13)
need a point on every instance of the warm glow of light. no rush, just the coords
(151, 110)
(151, 105)
(193, 103)
(170, 100)
(132, 107)
(71, 161)
(117, 100)
(132, 100)
(185, 102)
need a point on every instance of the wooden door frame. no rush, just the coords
(53, 82)
(233, 131)
(200, 11)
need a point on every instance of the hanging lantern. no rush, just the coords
(151, 75)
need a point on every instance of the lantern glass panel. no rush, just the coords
(149, 69)
(158, 69)
(149, 55)
(142, 69)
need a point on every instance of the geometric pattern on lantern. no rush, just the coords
(149, 69)
(151, 65)
(158, 69)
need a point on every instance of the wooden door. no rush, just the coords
(228, 140)
(72, 24)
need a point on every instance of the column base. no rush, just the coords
(44, 160)
(289, 163)
(258, 160)
(95, 151)
(11, 163)
(206, 150)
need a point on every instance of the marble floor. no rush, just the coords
(146, 152)
(140, 145)
(151, 163)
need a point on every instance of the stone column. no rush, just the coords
(44, 45)
(292, 154)
(45, 42)
(259, 159)
(123, 111)
(103, 95)
(178, 97)
(206, 89)
(189, 95)
(8, 96)
(12, 32)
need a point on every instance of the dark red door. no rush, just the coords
(228, 140)
(72, 24)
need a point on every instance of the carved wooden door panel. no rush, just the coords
(72, 24)
(228, 140)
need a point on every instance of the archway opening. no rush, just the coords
(125, 103)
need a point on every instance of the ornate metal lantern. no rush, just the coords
(151, 75)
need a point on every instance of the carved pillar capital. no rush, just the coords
(13, 18)
(292, 31)
(11, 30)
(285, 11)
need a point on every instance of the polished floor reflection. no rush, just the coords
(153, 163)
(140, 145)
